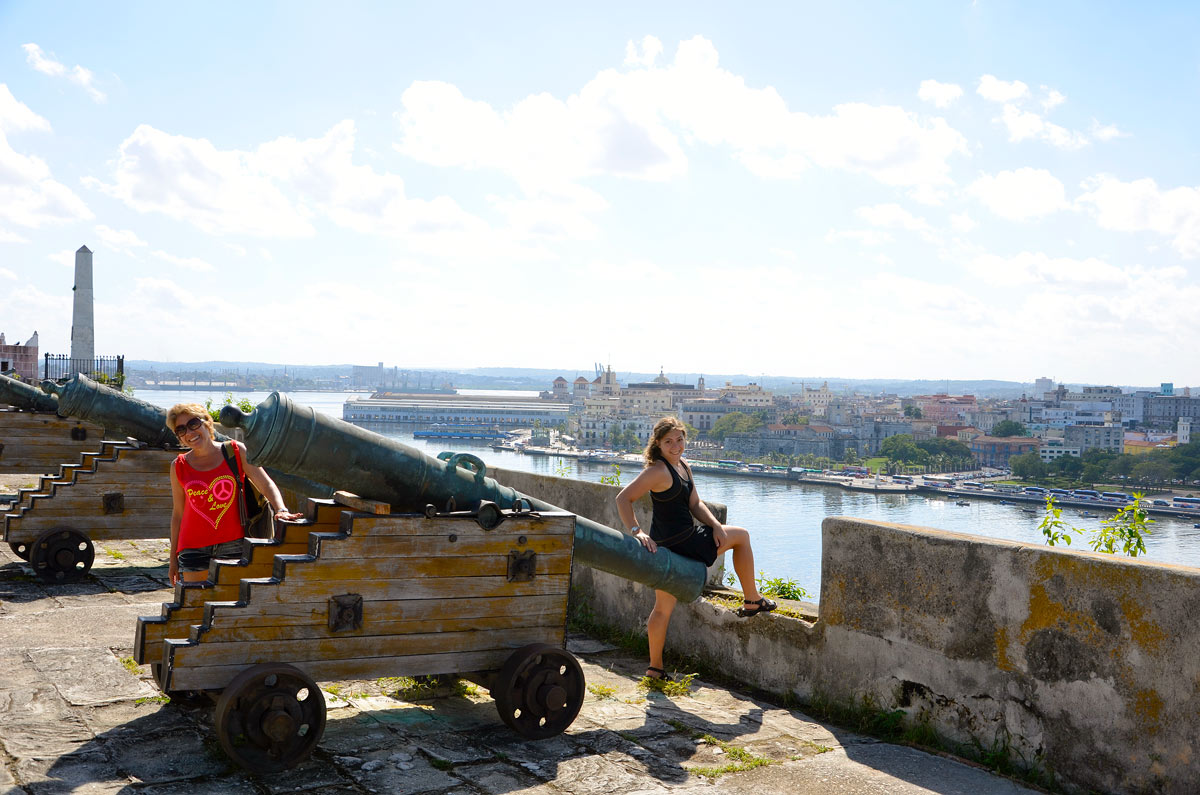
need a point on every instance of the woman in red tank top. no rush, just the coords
(204, 515)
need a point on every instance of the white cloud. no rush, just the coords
(962, 223)
(867, 237)
(11, 237)
(184, 263)
(635, 124)
(1023, 124)
(996, 90)
(221, 192)
(1106, 132)
(1052, 98)
(123, 240)
(7, 274)
(1020, 195)
(278, 189)
(893, 216)
(16, 116)
(650, 50)
(1029, 268)
(48, 66)
(29, 196)
(65, 257)
(1141, 206)
(942, 95)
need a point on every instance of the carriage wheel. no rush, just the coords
(539, 691)
(62, 555)
(20, 549)
(270, 717)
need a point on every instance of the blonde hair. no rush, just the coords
(662, 428)
(194, 409)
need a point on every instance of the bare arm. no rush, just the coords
(649, 479)
(268, 488)
(177, 505)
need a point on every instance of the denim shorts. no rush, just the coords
(198, 559)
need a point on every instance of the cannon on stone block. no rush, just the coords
(479, 594)
(407, 584)
(303, 442)
(115, 490)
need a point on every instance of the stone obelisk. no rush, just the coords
(83, 332)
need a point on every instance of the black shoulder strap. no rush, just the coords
(231, 461)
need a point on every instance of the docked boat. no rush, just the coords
(961, 502)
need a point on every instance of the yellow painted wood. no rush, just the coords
(445, 566)
(356, 548)
(409, 588)
(358, 503)
(187, 655)
(550, 622)
(219, 677)
(289, 614)
(551, 524)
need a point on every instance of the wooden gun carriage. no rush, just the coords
(353, 594)
(116, 491)
(36, 442)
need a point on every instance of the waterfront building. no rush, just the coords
(1109, 438)
(503, 412)
(1164, 411)
(20, 360)
(995, 451)
(1055, 448)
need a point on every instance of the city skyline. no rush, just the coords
(930, 192)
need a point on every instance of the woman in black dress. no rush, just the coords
(677, 509)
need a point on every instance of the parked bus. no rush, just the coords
(729, 463)
(1007, 488)
(902, 479)
(1086, 494)
(1115, 496)
(1059, 492)
(938, 481)
(1187, 502)
(1035, 490)
(971, 484)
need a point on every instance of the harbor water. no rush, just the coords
(784, 518)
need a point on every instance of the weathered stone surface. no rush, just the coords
(124, 718)
(348, 731)
(315, 775)
(498, 778)
(89, 771)
(144, 759)
(64, 735)
(86, 677)
(379, 774)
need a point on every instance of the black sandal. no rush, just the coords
(765, 605)
(661, 676)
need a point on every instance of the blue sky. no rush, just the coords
(939, 190)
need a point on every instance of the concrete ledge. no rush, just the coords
(1084, 665)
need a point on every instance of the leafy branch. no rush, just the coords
(1126, 530)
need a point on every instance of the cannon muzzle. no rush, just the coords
(24, 396)
(297, 439)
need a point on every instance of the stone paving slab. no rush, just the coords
(74, 719)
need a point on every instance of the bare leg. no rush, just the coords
(656, 626)
(738, 539)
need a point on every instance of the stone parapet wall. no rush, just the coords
(1082, 665)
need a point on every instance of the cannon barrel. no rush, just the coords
(120, 414)
(85, 399)
(24, 396)
(297, 439)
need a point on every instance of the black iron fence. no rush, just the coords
(105, 369)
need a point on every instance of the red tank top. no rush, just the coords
(210, 512)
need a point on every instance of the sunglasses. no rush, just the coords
(191, 425)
